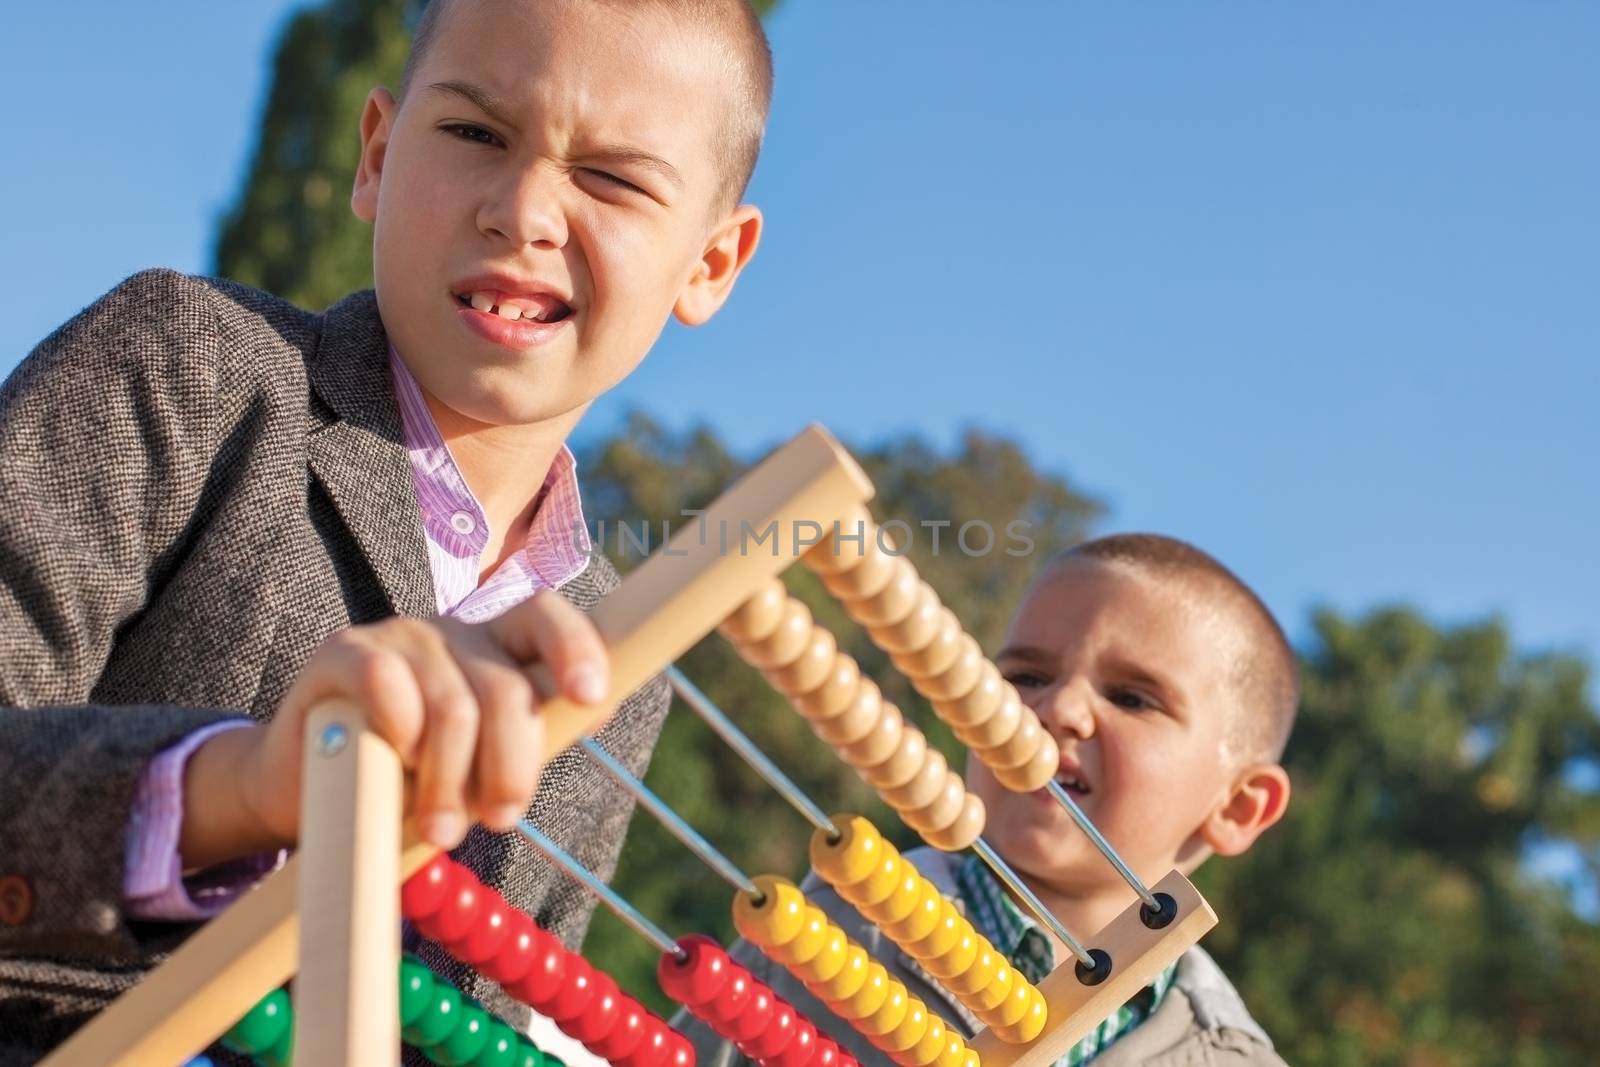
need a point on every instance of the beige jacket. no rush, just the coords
(1201, 1021)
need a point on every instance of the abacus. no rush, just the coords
(331, 916)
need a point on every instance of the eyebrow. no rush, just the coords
(638, 157)
(496, 109)
(1027, 652)
(479, 98)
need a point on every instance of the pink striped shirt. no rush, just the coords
(456, 531)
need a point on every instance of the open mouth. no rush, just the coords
(1074, 785)
(532, 308)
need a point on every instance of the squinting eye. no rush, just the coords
(1024, 679)
(472, 133)
(612, 179)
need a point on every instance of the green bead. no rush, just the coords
(528, 1054)
(262, 1026)
(443, 1011)
(281, 1054)
(500, 1050)
(416, 990)
(468, 1038)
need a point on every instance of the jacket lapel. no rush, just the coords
(359, 455)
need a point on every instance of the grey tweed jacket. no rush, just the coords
(198, 484)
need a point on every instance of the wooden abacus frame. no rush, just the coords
(353, 854)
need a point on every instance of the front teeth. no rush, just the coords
(509, 311)
(482, 301)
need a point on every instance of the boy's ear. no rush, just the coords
(377, 118)
(727, 251)
(1259, 798)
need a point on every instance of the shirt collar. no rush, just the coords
(557, 544)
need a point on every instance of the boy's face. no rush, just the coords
(1131, 676)
(559, 158)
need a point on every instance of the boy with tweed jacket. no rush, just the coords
(221, 509)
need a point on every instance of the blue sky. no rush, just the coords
(1313, 285)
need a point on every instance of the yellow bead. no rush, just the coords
(808, 942)
(1014, 1007)
(955, 1050)
(851, 977)
(903, 900)
(881, 883)
(975, 976)
(890, 1014)
(960, 956)
(868, 998)
(993, 994)
(830, 958)
(777, 919)
(1032, 1024)
(923, 918)
(944, 936)
(969, 1058)
(850, 859)
(931, 1046)
(911, 1028)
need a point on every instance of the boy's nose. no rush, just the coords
(525, 210)
(1068, 708)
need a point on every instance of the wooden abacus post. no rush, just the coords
(1137, 955)
(350, 826)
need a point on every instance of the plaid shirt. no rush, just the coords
(1019, 938)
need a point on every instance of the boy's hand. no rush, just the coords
(453, 699)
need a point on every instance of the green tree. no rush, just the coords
(291, 231)
(1392, 920)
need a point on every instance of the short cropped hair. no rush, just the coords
(745, 53)
(1266, 680)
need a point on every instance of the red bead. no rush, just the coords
(827, 1054)
(679, 1052)
(775, 1036)
(725, 1009)
(577, 989)
(756, 1015)
(601, 1013)
(652, 1048)
(487, 934)
(462, 905)
(847, 1060)
(515, 957)
(626, 1033)
(801, 1050)
(548, 974)
(424, 892)
(696, 980)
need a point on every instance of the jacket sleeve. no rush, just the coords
(106, 439)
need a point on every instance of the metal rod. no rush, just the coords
(747, 749)
(1031, 899)
(609, 897)
(1101, 843)
(674, 822)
